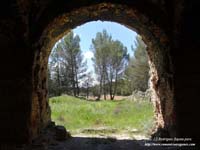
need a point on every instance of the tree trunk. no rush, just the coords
(115, 86)
(100, 88)
(111, 85)
(59, 84)
(111, 90)
(73, 76)
(87, 91)
(77, 86)
(104, 87)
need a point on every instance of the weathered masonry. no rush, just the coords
(29, 29)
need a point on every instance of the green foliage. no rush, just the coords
(137, 72)
(116, 72)
(66, 66)
(76, 114)
(110, 58)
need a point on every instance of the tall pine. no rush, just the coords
(137, 72)
(69, 67)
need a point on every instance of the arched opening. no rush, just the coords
(170, 24)
(102, 96)
(158, 52)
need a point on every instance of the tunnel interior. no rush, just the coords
(29, 29)
(158, 54)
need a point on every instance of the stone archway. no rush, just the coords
(158, 52)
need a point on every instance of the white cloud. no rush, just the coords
(88, 55)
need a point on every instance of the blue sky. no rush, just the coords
(88, 31)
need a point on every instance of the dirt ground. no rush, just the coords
(48, 141)
(86, 143)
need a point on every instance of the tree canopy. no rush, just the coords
(116, 72)
(137, 72)
(110, 58)
(66, 65)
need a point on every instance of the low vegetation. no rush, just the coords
(115, 73)
(119, 115)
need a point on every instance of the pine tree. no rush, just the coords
(137, 72)
(69, 67)
(88, 83)
(110, 58)
(100, 46)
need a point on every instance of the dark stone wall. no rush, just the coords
(15, 76)
(24, 107)
(186, 55)
(156, 39)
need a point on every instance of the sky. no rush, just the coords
(88, 31)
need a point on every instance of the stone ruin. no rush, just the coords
(30, 28)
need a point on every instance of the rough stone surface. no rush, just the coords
(153, 36)
(29, 29)
(61, 133)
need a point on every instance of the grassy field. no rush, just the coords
(76, 114)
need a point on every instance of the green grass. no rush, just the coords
(76, 114)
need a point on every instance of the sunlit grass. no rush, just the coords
(76, 114)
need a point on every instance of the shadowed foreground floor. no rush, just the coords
(84, 143)
(57, 138)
